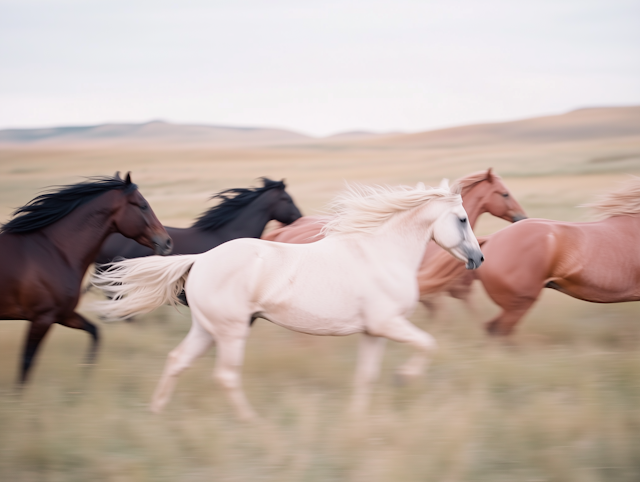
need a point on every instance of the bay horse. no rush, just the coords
(482, 192)
(47, 247)
(361, 278)
(241, 213)
(593, 261)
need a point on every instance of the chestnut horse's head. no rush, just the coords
(136, 220)
(498, 201)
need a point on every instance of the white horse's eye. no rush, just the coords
(463, 220)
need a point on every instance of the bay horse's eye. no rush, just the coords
(506, 194)
(144, 207)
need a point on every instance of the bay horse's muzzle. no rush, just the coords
(162, 245)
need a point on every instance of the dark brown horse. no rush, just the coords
(47, 247)
(596, 261)
(242, 213)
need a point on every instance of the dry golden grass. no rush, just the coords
(558, 404)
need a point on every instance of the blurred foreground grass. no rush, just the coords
(560, 404)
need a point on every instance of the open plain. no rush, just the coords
(559, 402)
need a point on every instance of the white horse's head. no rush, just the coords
(452, 232)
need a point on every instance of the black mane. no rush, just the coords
(55, 203)
(232, 200)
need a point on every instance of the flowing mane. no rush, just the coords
(362, 209)
(467, 182)
(623, 202)
(55, 203)
(233, 200)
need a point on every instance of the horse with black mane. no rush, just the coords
(242, 213)
(47, 247)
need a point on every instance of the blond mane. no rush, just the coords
(467, 182)
(622, 202)
(362, 209)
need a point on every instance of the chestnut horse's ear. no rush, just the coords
(127, 180)
(117, 175)
(490, 175)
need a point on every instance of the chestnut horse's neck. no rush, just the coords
(473, 198)
(80, 234)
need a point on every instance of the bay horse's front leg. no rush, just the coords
(370, 351)
(78, 322)
(227, 372)
(36, 332)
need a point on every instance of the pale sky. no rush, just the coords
(317, 67)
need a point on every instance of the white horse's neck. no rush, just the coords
(405, 236)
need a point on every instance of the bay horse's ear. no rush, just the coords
(283, 184)
(444, 184)
(127, 180)
(117, 175)
(490, 175)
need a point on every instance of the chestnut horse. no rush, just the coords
(47, 247)
(595, 261)
(482, 192)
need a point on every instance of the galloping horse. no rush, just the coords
(242, 213)
(47, 247)
(482, 192)
(360, 279)
(596, 261)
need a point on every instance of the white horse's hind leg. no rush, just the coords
(196, 343)
(402, 330)
(370, 353)
(227, 373)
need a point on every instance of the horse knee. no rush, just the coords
(227, 378)
(175, 365)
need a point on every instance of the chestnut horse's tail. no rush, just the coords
(140, 285)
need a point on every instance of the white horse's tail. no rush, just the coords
(140, 285)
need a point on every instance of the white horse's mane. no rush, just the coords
(623, 202)
(362, 209)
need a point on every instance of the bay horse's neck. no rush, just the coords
(252, 219)
(473, 203)
(80, 234)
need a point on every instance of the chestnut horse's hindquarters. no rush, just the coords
(140, 285)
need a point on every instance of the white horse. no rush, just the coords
(361, 278)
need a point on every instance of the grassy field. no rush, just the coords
(561, 402)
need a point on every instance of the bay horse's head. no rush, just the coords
(136, 220)
(452, 232)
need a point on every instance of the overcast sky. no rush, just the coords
(314, 66)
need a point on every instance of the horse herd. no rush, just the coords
(360, 270)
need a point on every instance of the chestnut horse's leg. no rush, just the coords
(80, 323)
(35, 334)
(503, 324)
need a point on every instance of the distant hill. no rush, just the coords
(581, 124)
(151, 133)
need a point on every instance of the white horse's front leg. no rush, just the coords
(196, 343)
(227, 373)
(402, 330)
(370, 353)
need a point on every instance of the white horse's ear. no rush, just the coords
(420, 186)
(444, 184)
